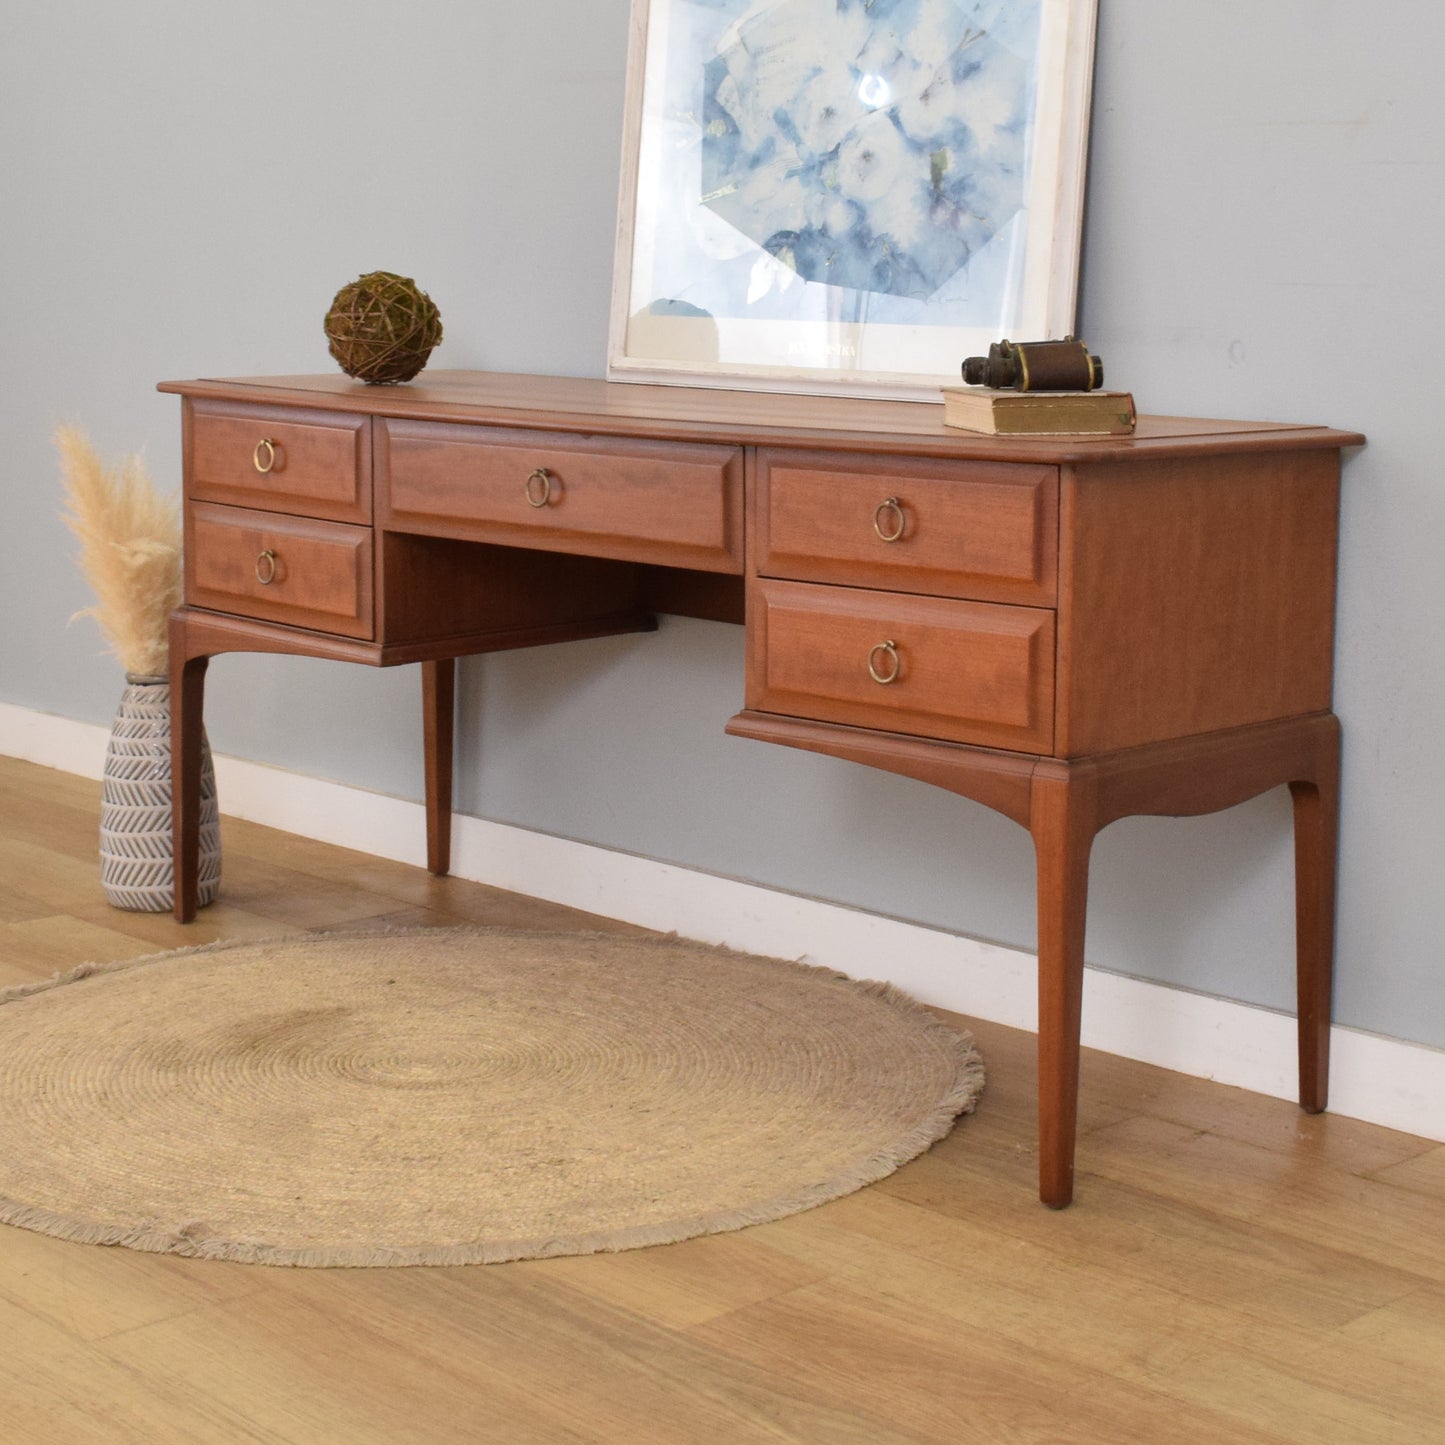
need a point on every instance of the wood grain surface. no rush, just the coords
(586, 405)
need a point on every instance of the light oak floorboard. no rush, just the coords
(1233, 1271)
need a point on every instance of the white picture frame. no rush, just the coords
(847, 195)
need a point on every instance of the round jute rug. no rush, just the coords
(455, 1096)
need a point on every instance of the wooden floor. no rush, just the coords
(1232, 1271)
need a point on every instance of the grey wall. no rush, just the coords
(183, 186)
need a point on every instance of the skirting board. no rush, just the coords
(1386, 1081)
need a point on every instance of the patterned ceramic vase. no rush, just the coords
(136, 867)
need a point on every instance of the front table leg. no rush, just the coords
(438, 705)
(1063, 821)
(188, 688)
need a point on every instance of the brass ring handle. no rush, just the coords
(889, 504)
(538, 496)
(266, 568)
(270, 454)
(890, 651)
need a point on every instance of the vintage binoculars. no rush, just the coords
(1036, 366)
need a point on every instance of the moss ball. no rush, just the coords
(381, 328)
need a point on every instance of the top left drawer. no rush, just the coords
(310, 463)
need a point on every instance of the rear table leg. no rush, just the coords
(1316, 841)
(438, 697)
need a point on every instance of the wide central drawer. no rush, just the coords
(280, 569)
(679, 504)
(986, 530)
(968, 672)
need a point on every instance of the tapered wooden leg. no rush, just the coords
(1062, 821)
(438, 701)
(188, 689)
(1316, 841)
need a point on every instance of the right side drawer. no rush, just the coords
(284, 459)
(935, 667)
(986, 531)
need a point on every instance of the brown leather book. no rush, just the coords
(982, 409)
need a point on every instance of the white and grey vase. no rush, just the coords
(137, 866)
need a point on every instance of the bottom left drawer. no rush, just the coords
(278, 568)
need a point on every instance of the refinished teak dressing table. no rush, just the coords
(1068, 630)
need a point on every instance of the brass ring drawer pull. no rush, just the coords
(889, 654)
(266, 568)
(539, 488)
(893, 531)
(264, 457)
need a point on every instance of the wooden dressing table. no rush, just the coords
(1067, 630)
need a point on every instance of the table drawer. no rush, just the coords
(967, 672)
(279, 569)
(985, 530)
(314, 463)
(679, 504)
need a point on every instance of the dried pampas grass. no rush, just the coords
(130, 550)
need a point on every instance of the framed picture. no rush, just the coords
(825, 195)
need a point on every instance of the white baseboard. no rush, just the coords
(1387, 1081)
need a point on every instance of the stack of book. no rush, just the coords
(982, 409)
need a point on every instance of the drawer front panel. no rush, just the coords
(313, 463)
(986, 530)
(963, 671)
(679, 504)
(279, 569)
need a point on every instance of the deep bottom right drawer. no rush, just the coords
(969, 672)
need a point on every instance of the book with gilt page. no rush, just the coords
(983, 409)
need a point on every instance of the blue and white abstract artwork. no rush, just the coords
(874, 145)
(875, 150)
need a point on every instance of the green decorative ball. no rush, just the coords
(381, 328)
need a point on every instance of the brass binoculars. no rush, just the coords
(1036, 366)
